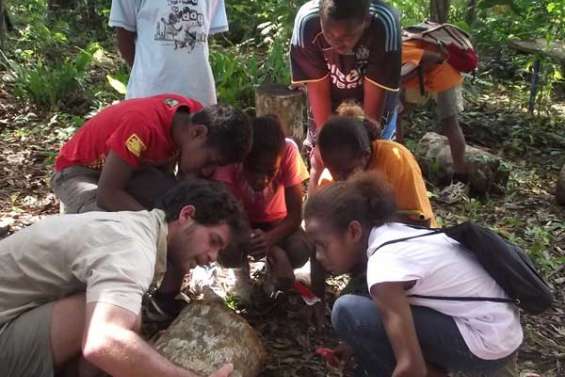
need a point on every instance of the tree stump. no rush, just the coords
(206, 335)
(439, 10)
(287, 104)
(487, 172)
(560, 191)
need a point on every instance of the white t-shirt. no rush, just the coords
(171, 49)
(440, 266)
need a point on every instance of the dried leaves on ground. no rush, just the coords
(526, 214)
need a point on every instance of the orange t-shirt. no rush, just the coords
(400, 168)
(436, 79)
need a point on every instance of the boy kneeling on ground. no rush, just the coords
(124, 157)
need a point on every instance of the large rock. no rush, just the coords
(206, 335)
(487, 173)
(560, 191)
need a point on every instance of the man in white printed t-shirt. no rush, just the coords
(71, 286)
(165, 42)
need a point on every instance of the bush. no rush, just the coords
(52, 86)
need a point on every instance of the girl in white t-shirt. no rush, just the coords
(390, 332)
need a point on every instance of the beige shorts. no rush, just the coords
(448, 103)
(25, 348)
(76, 188)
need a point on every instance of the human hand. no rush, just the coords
(259, 244)
(224, 371)
(338, 357)
(343, 352)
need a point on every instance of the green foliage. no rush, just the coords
(52, 85)
(235, 74)
(257, 51)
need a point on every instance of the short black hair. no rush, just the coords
(268, 138)
(341, 133)
(341, 10)
(214, 204)
(229, 130)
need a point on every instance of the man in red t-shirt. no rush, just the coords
(123, 158)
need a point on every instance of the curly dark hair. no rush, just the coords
(340, 10)
(229, 130)
(214, 204)
(365, 197)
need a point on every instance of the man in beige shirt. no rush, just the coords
(72, 285)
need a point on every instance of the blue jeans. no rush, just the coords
(358, 322)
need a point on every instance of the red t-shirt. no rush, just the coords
(269, 205)
(137, 130)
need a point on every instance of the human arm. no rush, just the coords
(261, 242)
(319, 99)
(111, 343)
(373, 101)
(123, 17)
(393, 305)
(111, 194)
(383, 66)
(126, 45)
(293, 197)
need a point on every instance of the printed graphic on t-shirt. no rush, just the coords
(354, 78)
(135, 145)
(183, 27)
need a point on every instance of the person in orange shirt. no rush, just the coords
(346, 148)
(425, 73)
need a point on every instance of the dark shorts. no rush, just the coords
(25, 348)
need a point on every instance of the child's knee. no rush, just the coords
(354, 316)
(298, 248)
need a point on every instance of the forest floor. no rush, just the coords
(534, 146)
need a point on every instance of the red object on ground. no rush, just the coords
(329, 355)
(306, 293)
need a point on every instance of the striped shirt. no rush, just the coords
(375, 58)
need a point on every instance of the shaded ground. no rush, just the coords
(527, 214)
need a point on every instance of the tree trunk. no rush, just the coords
(288, 105)
(2, 23)
(60, 4)
(92, 16)
(206, 335)
(439, 10)
(471, 12)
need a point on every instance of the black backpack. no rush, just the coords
(507, 263)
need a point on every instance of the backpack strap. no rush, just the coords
(437, 231)
(444, 298)
(468, 298)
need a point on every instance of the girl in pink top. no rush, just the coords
(270, 184)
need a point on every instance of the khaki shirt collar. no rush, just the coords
(161, 257)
